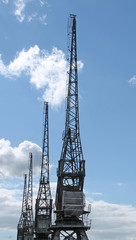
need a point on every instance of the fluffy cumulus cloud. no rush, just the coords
(11, 207)
(14, 160)
(46, 71)
(112, 221)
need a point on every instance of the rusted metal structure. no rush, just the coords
(43, 207)
(70, 200)
(29, 223)
(22, 220)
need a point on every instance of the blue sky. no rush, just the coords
(33, 51)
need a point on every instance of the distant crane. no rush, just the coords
(22, 220)
(29, 223)
(71, 167)
(43, 207)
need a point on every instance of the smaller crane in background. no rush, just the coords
(43, 207)
(25, 228)
(20, 226)
(29, 223)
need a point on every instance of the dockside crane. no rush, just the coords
(20, 226)
(43, 207)
(71, 166)
(29, 223)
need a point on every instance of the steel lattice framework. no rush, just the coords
(20, 226)
(44, 200)
(71, 169)
(29, 223)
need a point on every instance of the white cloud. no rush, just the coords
(20, 9)
(46, 71)
(3, 68)
(21, 13)
(14, 160)
(10, 208)
(112, 221)
(132, 81)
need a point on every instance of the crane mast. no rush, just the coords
(20, 226)
(43, 206)
(29, 223)
(71, 166)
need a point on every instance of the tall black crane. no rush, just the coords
(20, 226)
(71, 166)
(43, 207)
(29, 223)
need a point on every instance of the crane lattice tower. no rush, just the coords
(20, 226)
(43, 205)
(29, 223)
(71, 166)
